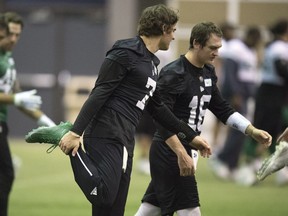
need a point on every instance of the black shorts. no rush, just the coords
(167, 189)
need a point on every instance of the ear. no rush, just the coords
(195, 44)
(163, 28)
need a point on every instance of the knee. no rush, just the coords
(147, 209)
(102, 196)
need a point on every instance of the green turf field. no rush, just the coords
(45, 186)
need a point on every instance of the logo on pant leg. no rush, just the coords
(94, 192)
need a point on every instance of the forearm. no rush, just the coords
(175, 144)
(34, 114)
(170, 124)
(239, 122)
(6, 98)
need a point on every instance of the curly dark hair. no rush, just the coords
(201, 33)
(157, 19)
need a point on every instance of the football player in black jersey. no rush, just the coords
(125, 86)
(188, 87)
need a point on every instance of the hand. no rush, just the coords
(70, 142)
(186, 164)
(200, 144)
(261, 136)
(283, 136)
(28, 100)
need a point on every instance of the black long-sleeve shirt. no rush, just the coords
(189, 91)
(126, 84)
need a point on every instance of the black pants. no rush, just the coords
(99, 174)
(6, 170)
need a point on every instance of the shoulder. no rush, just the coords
(172, 75)
(279, 48)
(126, 46)
(176, 67)
(4, 63)
(126, 51)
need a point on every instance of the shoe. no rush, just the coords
(275, 162)
(245, 176)
(144, 166)
(219, 169)
(51, 135)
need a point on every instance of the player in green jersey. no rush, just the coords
(28, 102)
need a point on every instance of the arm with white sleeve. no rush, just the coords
(224, 112)
(239, 122)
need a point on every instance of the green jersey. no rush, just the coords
(7, 79)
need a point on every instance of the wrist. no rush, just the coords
(249, 130)
(238, 122)
(74, 134)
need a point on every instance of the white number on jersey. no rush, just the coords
(151, 84)
(196, 119)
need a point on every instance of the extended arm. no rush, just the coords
(239, 122)
(110, 75)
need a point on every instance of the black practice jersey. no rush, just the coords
(126, 84)
(189, 91)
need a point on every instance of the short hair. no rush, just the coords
(228, 30)
(14, 18)
(156, 19)
(3, 24)
(280, 27)
(201, 33)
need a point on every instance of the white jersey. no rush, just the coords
(223, 51)
(276, 50)
(246, 58)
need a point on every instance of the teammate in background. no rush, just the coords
(228, 31)
(10, 94)
(271, 98)
(124, 88)
(240, 82)
(188, 87)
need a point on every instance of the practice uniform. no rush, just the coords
(188, 91)
(272, 94)
(7, 81)
(240, 81)
(125, 86)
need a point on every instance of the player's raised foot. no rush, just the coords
(275, 162)
(51, 135)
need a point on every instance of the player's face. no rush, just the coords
(14, 34)
(166, 38)
(208, 53)
(4, 39)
